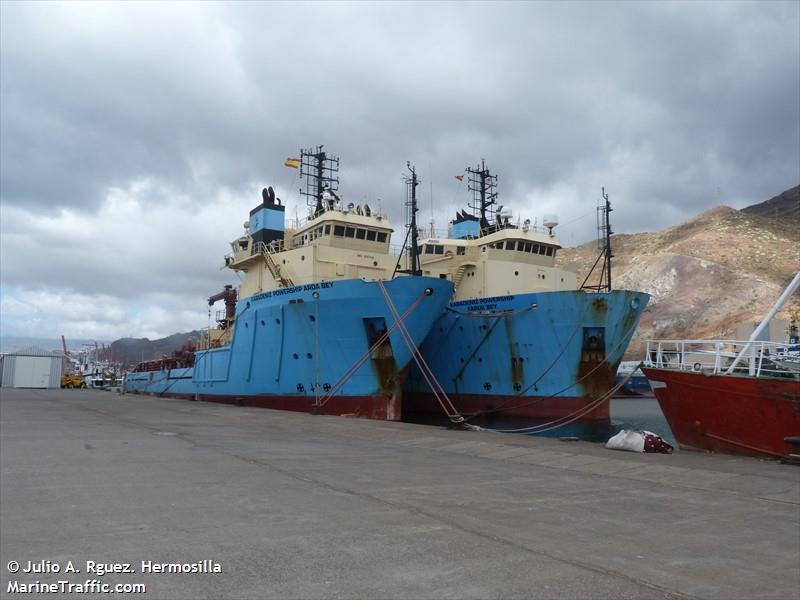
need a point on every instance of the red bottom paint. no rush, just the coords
(382, 408)
(732, 414)
(510, 406)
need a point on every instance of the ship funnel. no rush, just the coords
(267, 219)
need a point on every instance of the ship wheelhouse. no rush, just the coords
(510, 260)
(336, 243)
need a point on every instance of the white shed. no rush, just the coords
(31, 368)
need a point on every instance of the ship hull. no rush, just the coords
(732, 414)
(547, 355)
(540, 408)
(293, 346)
(376, 407)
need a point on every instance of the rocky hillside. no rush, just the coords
(706, 276)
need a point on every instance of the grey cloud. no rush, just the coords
(674, 107)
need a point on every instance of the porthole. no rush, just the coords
(516, 273)
(295, 356)
(278, 321)
(308, 355)
(302, 257)
(312, 317)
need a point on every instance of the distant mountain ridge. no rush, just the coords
(131, 351)
(783, 206)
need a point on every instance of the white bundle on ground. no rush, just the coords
(639, 441)
(627, 439)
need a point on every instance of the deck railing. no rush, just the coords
(715, 356)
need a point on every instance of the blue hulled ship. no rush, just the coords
(520, 338)
(319, 322)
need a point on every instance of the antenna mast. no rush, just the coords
(411, 217)
(604, 245)
(321, 171)
(483, 186)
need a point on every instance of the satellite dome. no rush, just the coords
(550, 221)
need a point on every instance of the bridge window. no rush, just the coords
(460, 250)
(542, 250)
(327, 229)
(361, 234)
(371, 235)
(349, 232)
(381, 237)
(338, 230)
(528, 246)
(549, 251)
(438, 249)
(511, 245)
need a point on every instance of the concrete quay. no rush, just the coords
(292, 505)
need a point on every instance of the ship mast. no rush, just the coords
(321, 171)
(483, 186)
(604, 244)
(411, 218)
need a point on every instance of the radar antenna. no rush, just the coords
(483, 186)
(604, 245)
(321, 172)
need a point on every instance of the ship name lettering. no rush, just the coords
(483, 301)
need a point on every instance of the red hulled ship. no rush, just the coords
(727, 396)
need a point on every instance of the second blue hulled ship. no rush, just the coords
(521, 337)
(543, 355)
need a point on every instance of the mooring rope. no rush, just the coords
(572, 417)
(447, 406)
(504, 407)
(362, 359)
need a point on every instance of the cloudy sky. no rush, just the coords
(134, 138)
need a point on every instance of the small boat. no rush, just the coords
(632, 379)
(735, 397)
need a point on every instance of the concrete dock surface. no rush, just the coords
(291, 505)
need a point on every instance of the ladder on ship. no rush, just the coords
(460, 272)
(275, 268)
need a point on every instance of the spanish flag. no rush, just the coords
(294, 163)
(459, 177)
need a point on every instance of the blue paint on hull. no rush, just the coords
(286, 341)
(509, 349)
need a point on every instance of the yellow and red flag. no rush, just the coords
(294, 163)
